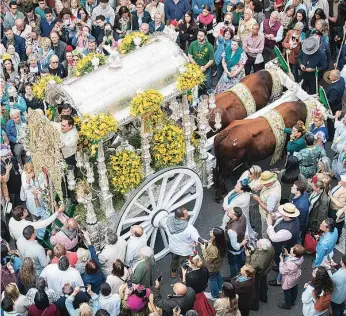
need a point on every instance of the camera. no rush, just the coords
(11, 98)
(226, 22)
(283, 250)
(185, 265)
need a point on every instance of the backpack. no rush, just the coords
(323, 302)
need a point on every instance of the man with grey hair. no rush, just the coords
(22, 29)
(15, 131)
(56, 68)
(143, 270)
(273, 33)
(261, 260)
(114, 249)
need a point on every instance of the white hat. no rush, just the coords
(289, 210)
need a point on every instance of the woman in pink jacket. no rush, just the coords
(290, 270)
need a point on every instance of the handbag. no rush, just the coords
(259, 59)
(323, 302)
(310, 243)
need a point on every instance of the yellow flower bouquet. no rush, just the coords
(191, 77)
(93, 128)
(39, 88)
(168, 146)
(85, 65)
(126, 171)
(127, 44)
(147, 102)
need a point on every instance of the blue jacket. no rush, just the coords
(19, 45)
(325, 246)
(152, 27)
(20, 105)
(302, 204)
(197, 6)
(220, 48)
(176, 11)
(11, 131)
(95, 280)
(46, 28)
(319, 60)
(342, 59)
(335, 93)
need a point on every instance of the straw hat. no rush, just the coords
(326, 77)
(289, 210)
(267, 177)
(310, 46)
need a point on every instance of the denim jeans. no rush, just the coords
(236, 262)
(338, 309)
(215, 283)
(291, 296)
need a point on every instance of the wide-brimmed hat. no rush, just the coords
(326, 77)
(289, 210)
(267, 177)
(310, 46)
(340, 216)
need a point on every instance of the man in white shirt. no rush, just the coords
(18, 222)
(182, 238)
(115, 249)
(22, 29)
(137, 240)
(59, 274)
(29, 247)
(69, 139)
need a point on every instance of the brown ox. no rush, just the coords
(260, 85)
(246, 141)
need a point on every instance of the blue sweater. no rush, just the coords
(95, 280)
(19, 46)
(197, 6)
(325, 246)
(46, 28)
(302, 204)
(176, 11)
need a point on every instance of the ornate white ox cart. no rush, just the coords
(110, 89)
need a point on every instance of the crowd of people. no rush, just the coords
(272, 218)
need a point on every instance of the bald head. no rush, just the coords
(136, 230)
(179, 289)
(72, 224)
(20, 24)
(335, 75)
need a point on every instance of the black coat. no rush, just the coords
(60, 50)
(319, 60)
(145, 19)
(246, 292)
(167, 304)
(335, 93)
(60, 71)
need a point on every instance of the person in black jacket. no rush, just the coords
(183, 296)
(187, 31)
(58, 46)
(81, 297)
(336, 90)
(32, 102)
(56, 68)
(309, 58)
(140, 16)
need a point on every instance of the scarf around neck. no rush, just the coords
(232, 60)
(176, 226)
(206, 19)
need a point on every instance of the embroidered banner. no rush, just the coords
(277, 125)
(277, 86)
(245, 96)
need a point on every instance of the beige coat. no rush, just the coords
(212, 258)
(221, 308)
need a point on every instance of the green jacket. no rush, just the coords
(143, 273)
(296, 145)
(261, 260)
(212, 258)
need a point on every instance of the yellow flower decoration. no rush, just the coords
(126, 171)
(168, 146)
(40, 86)
(147, 102)
(192, 77)
(127, 45)
(93, 128)
(85, 66)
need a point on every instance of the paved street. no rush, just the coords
(211, 215)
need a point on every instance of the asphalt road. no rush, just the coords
(210, 216)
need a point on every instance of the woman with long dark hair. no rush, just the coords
(319, 14)
(123, 21)
(228, 303)
(300, 16)
(213, 253)
(288, 176)
(187, 31)
(319, 286)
